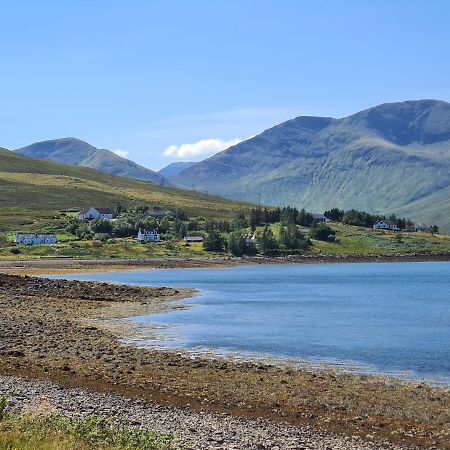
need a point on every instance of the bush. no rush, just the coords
(323, 232)
(101, 226)
(103, 237)
(15, 251)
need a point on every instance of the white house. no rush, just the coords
(320, 218)
(148, 236)
(386, 225)
(251, 239)
(95, 213)
(189, 239)
(34, 239)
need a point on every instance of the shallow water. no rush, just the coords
(383, 317)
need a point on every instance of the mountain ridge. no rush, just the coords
(381, 159)
(74, 151)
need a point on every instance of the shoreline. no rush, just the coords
(57, 344)
(51, 266)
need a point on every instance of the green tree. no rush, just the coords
(267, 243)
(214, 242)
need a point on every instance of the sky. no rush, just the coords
(160, 81)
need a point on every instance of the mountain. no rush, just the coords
(35, 188)
(175, 168)
(79, 153)
(393, 157)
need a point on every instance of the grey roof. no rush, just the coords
(100, 210)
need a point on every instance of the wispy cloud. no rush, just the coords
(204, 147)
(122, 153)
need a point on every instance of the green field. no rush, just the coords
(33, 192)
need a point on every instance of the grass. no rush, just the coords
(34, 191)
(119, 248)
(30, 432)
(352, 240)
(48, 431)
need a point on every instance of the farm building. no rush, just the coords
(95, 213)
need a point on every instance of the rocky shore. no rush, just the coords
(53, 331)
(69, 265)
(195, 430)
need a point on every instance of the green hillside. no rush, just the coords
(79, 153)
(34, 191)
(390, 158)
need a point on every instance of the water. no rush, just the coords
(387, 317)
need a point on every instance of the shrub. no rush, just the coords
(322, 232)
(15, 251)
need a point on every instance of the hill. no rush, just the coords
(390, 158)
(175, 168)
(79, 153)
(34, 190)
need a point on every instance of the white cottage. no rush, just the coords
(251, 239)
(386, 225)
(148, 236)
(34, 239)
(95, 213)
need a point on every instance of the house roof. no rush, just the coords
(100, 210)
(318, 216)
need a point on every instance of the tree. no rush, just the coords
(267, 243)
(291, 238)
(238, 245)
(239, 223)
(335, 214)
(101, 226)
(255, 217)
(322, 232)
(434, 229)
(214, 242)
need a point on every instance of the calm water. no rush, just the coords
(387, 317)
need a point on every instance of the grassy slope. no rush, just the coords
(356, 240)
(33, 190)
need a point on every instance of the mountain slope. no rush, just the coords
(79, 153)
(175, 168)
(393, 157)
(30, 187)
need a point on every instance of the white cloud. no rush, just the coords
(204, 147)
(122, 153)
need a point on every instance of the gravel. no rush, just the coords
(197, 430)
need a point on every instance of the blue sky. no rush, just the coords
(168, 80)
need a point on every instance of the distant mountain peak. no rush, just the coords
(387, 158)
(76, 152)
(175, 168)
